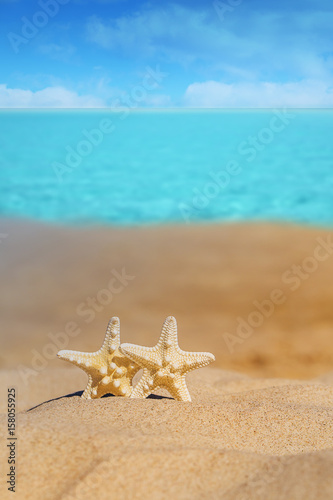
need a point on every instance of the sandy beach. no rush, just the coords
(258, 296)
(240, 438)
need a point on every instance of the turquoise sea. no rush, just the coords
(141, 167)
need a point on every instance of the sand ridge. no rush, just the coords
(241, 437)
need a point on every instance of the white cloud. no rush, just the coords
(49, 97)
(273, 45)
(60, 97)
(180, 33)
(302, 94)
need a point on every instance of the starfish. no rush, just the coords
(165, 365)
(109, 371)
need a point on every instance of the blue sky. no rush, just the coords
(187, 53)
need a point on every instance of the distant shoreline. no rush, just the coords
(7, 221)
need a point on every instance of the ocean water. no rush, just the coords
(129, 168)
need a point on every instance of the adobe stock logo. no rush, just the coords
(31, 27)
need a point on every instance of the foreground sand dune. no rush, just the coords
(241, 438)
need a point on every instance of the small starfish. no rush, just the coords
(109, 371)
(165, 365)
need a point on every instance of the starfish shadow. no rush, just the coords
(156, 396)
(79, 393)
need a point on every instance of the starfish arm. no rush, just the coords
(144, 387)
(112, 335)
(87, 392)
(84, 360)
(146, 357)
(194, 360)
(169, 335)
(109, 385)
(179, 390)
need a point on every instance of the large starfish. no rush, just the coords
(109, 371)
(165, 365)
